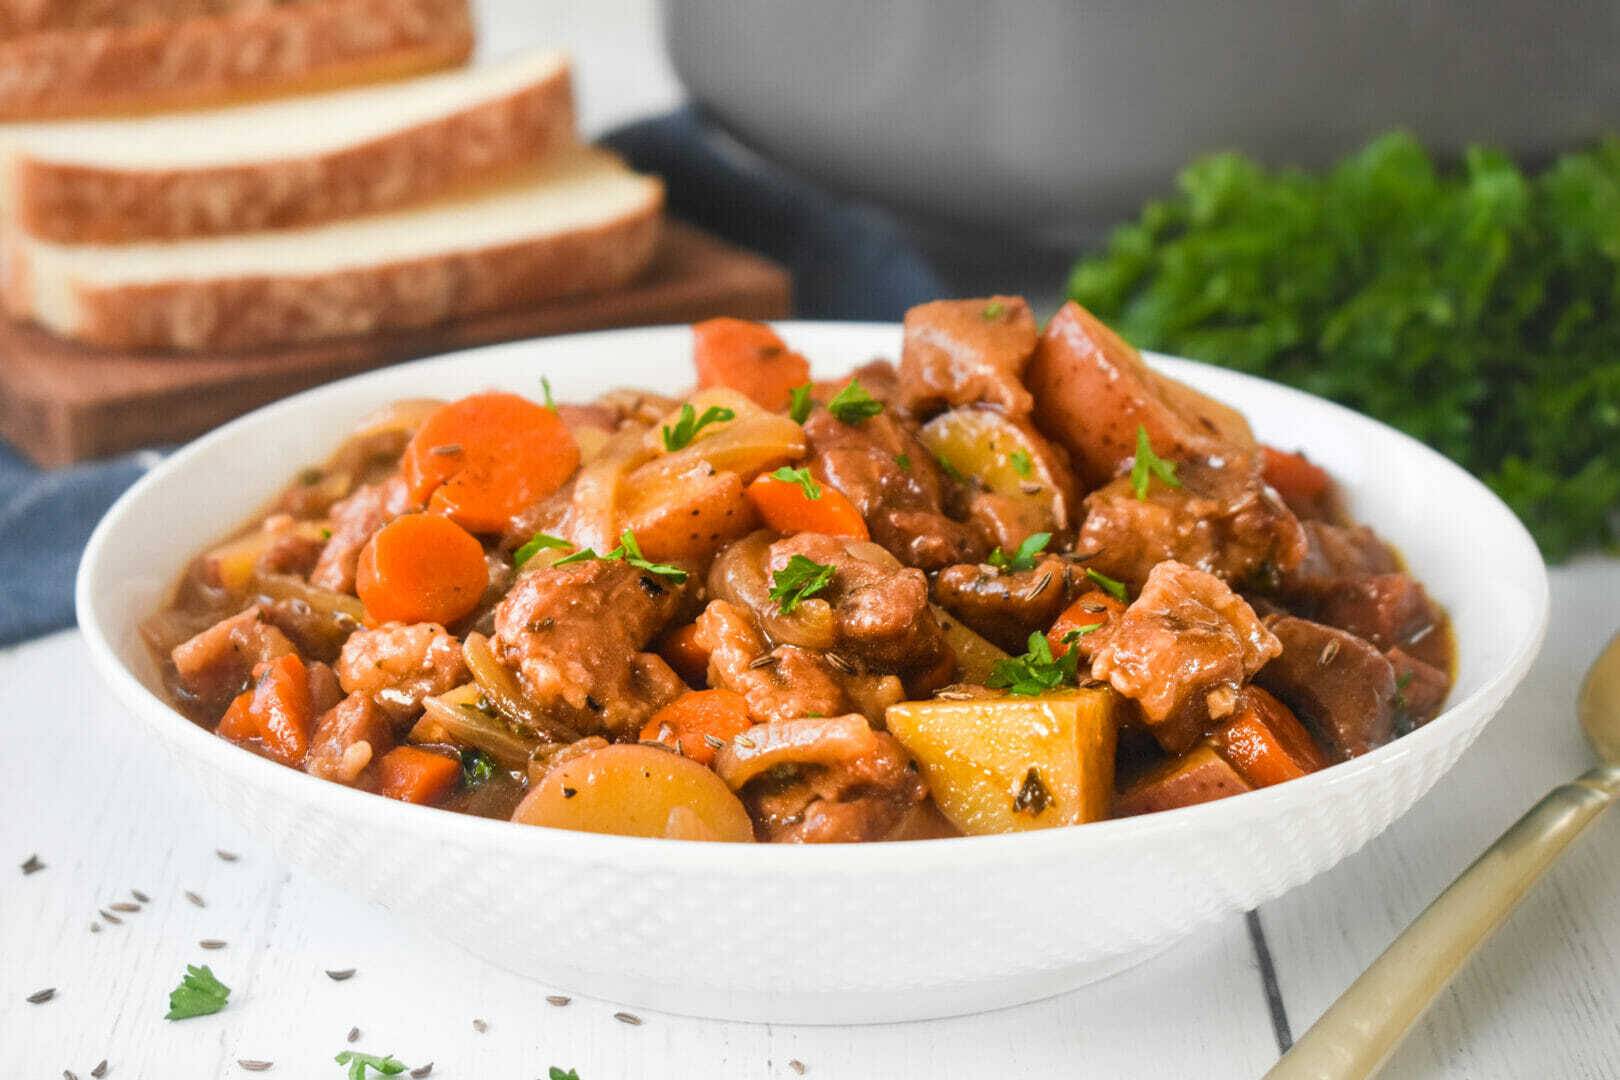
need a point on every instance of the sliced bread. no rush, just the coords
(294, 161)
(31, 16)
(242, 55)
(580, 222)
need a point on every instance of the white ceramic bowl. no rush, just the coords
(835, 934)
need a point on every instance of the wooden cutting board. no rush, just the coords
(61, 402)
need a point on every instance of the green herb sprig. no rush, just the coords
(534, 546)
(199, 994)
(358, 1063)
(629, 551)
(853, 405)
(1113, 588)
(1035, 672)
(1149, 466)
(802, 477)
(1024, 557)
(798, 581)
(689, 423)
(799, 403)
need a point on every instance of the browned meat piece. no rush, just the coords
(796, 682)
(1002, 605)
(1182, 650)
(960, 352)
(1388, 610)
(879, 610)
(217, 664)
(822, 780)
(348, 737)
(399, 664)
(1420, 690)
(1336, 552)
(1198, 776)
(575, 634)
(1092, 391)
(325, 690)
(1221, 520)
(354, 521)
(897, 487)
(1342, 687)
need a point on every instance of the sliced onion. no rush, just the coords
(821, 740)
(504, 693)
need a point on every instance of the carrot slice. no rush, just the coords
(414, 775)
(277, 714)
(1093, 609)
(747, 357)
(421, 568)
(1265, 742)
(684, 722)
(682, 652)
(784, 507)
(1296, 478)
(483, 459)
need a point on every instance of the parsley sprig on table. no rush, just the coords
(1035, 672)
(1024, 557)
(1476, 309)
(358, 1063)
(199, 994)
(798, 581)
(689, 423)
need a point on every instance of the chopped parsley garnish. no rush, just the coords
(853, 404)
(545, 388)
(799, 403)
(358, 1063)
(1037, 671)
(558, 1074)
(1022, 465)
(475, 767)
(1072, 636)
(690, 423)
(994, 310)
(199, 994)
(533, 547)
(798, 581)
(1024, 557)
(802, 477)
(949, 470)
(1113, 588)
(904, 461)
(1149, 466)
(630, 552)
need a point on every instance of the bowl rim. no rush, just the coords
(297, 789)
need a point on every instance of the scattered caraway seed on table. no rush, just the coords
(32, 865)
(797, 1066)
(69, 1074)
(211, 943)
(40, 997)
(100, 1070)
(339, 976)
(558, 1000)
(255, 1066)
(627, 1018)
(125, 906)
(195, 899)
(95, 927)
(110, 917)
(354, 1034)
(228, 856)
(422, 1070)
(140, 897)
(480, 1026)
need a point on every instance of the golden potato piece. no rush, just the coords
(1027, 475)
(1006, 764)
(633, 790)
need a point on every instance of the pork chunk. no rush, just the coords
(963, 352)
(1005, 606)
(348, 737)
(217, 664)
(1182, 650)
(575, 635)
(396, 665)
(1342, 687)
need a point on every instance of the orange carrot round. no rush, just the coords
(485, 458)
(720, 714)
(421, 568)
(747, 357)
(1296, 477)
(277, 714)
(414, 775)
(784, 506)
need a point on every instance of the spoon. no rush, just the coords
(1357, 1033)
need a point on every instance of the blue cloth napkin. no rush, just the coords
(848, 262)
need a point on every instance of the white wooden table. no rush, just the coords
(106, 815)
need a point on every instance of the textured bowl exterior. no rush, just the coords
(836, 934)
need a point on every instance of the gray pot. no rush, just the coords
(1051, 118)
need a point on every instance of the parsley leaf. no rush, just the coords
(358, 1063)
(994, 310)
(630, 552)
(1035, 672)
(798, 581)
(545, 387)
(476, 767)
(1149, 465)
(1024, 557)
(853, 404)
(558, 1074)
(582, 555)
(532, 548)
(1021, 463)
(799, 403)
(690, 423)
(802, 477)
(199, 994)
(949, 470)
(1072, 636)
(904, 461)
(1113, 588)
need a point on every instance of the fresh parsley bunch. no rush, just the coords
(1477, 309)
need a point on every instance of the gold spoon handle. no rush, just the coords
(1356, 1034)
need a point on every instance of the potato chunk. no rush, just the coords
(636, 790)
(1007, 764)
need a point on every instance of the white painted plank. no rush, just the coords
(1543, 997)
(107, 813)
